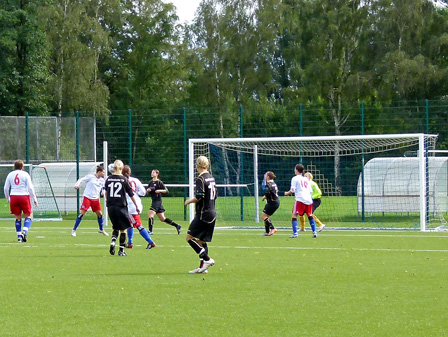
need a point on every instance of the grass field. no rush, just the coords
(337, 212)
(344, 283)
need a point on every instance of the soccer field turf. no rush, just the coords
(344, 283)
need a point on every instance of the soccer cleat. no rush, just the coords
(178, 227)
(122, 253)
(303, 230)
(151, 245)
(314, 234)
(19, 239)
(112, 248)
(274, 230)
(321, 227)
(294, 235)
(103, 232)
(206, 265)
(266, 234)
(150, 233)
(24, 236)
(128, 245)
(198, 271)
(73, 233)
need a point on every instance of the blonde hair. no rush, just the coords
(118, 166)
(202, 162)
(309, 175)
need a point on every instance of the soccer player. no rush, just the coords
(94, 187)
(301, 187)
(116, 188)
(156, 188)
(272, 204)
(316, 195)
(201, 228)
(18, 189)
(134, 216)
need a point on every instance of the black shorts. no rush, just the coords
(157, 206)
(201, 230)
(316, 203)
(271, 207)
(119, 217)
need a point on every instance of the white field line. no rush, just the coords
(34, 245)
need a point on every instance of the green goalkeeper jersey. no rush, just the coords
(317, 193)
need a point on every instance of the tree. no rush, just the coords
(23, 59)
(77, 39)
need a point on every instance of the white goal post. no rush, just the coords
(313, 149)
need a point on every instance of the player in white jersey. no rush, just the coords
(301, 187)
(18, 189)
(139, 191)
(94, 187)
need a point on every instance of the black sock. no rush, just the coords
(171, 222)
(196, 246)
(122, 240)
(268, 225)
(150, 224)
(114, 235)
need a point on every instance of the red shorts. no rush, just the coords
(94, 203)
(135, 220)
(300, 208)
(19, 204)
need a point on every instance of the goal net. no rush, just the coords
(48, 208)
(366, 181)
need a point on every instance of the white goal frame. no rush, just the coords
(262, 145)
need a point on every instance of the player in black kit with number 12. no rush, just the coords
(201, 228)
(116, 188)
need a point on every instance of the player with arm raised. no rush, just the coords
(272, 204)
(301, 188)
(116, 188)
(134, 216)
(156, 188)
(91, 198)
(201, 228)
(18, 189)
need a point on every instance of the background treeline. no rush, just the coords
(103, 55)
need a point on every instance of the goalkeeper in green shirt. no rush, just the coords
(316, 195)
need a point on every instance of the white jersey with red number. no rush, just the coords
(139, 191)
(302, 189)
(19, 182)
(94, 185)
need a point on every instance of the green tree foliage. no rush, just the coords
(23, 59)
(77, 38)
(147, 55)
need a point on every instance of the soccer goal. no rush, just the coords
(48, 208)
(360, 190)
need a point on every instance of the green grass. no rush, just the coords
(334, 212)
(344, 283)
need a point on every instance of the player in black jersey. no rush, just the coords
(156, 188)
(272, 204)
(116, 187)
(201, 228)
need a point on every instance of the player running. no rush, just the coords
(203, 225)
(94, 187)
(18, 189)
(134, 216)
(116, 188)
(156, 188)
